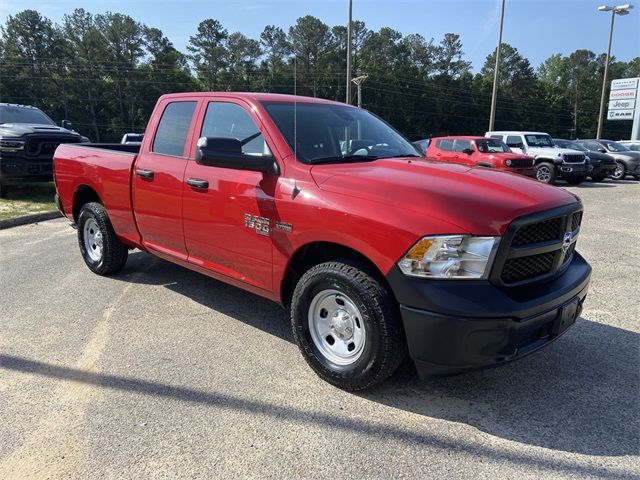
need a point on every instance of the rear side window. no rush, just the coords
(514, 140)
(445, 144)
(171, 134)
(461, 145)
(228, 120)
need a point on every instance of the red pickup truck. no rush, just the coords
(326, 209)
(480, 152)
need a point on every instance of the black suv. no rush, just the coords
(602, 165)
(28, 139)
(627, 161)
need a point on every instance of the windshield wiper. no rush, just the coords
(404, 155)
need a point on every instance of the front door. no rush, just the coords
(228, 212)
(157, 181)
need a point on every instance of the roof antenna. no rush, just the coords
(295, 106)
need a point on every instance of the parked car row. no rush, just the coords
(537, 154)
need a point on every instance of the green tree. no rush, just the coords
(208, 52)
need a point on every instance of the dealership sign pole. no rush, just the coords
(623, 103)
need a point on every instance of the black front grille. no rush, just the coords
(539, 232)
(46, 145)
(576, 220)
(532, 249)
(574, 158)
(521, 162)
(522, 268)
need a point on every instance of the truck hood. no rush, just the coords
(21, 129)
(477, 200)
(553, 151)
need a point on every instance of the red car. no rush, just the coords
(480, 152)
(326, 209)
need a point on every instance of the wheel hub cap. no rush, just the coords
(93, 241)
(336, 327)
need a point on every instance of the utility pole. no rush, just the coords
(496, 72)
(359, 81)
(349, 54)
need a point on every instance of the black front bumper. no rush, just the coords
(452, 326)
(17, 170)
(572, 169)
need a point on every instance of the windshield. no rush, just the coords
(15, 114)
(541, 140)
(614, 146)
(492, 145)
(326, 133)
(571, 145)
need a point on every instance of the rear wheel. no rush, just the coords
(101, 249)
(546, 172)
(620, 172)
(347, 325)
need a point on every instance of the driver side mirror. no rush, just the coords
(66, 124)
(602, 150)
(468, 151)
(227, 153)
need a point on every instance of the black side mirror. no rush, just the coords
(227, 153)
(468, 151)
(66, 124)
(602, 150)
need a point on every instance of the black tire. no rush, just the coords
(576, 180)
(4, 190)
(598, 178)
(620, 172)
(384, 342)
(637, 177)
(546, 173)
(113, 253)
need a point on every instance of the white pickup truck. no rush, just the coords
(551, 162)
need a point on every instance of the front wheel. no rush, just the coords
(101, 249)
(347, 325)
(620, 172)
(546, 173)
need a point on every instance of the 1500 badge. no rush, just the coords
(259, 224)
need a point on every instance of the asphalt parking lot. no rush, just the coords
(159, 372)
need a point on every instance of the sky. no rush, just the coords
(537, 28)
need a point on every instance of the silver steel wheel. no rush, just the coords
(543, 173)
(618, 173)
(336, 327)
(93, 240)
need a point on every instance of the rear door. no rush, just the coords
(444, 150)
(227, 212)
(157, 183)
(515, 143)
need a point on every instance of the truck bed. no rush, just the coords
(98, 170)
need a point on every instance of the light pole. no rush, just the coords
(617, 10)
(349, 54)
(494, 96)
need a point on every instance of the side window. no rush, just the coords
(593, 146)
(228, 120)
(171, 134)
(460, 145)
(445, 144)
(514, 141)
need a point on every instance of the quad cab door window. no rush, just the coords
(158, 181)
(228, 209)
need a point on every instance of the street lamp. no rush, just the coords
(349, 53)
(617, 10)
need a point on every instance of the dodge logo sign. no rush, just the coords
(566, 242)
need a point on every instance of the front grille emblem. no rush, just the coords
(566, 242)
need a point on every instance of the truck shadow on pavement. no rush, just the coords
(578, 395)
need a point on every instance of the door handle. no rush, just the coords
(197, 183)
(147, 174)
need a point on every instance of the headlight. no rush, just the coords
(449, 256)
(11, 145)
(508, 163)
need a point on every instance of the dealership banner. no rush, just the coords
(622, 99)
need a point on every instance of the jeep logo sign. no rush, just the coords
(621, 104)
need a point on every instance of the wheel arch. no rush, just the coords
(83, 195)
(317, 252)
